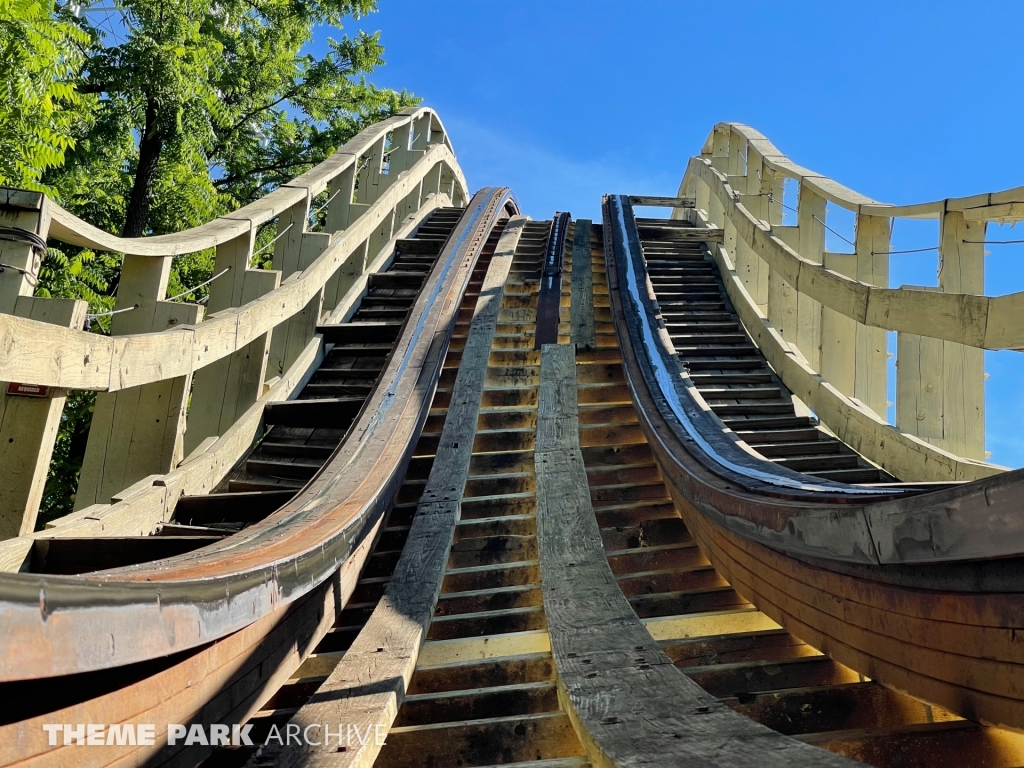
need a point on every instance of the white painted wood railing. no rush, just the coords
(256, 344)
(821, 317)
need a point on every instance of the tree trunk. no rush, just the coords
(150, 146)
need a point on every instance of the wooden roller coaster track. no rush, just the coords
(451, 487)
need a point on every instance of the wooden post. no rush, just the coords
(702, 197)
(342, 188)
(369, 180)
(782, 298)
(292, 336)
(29, 416)
(750, 267)
(138, 431)
(716, 212)
(871, 370)
(839, 333)
(737, 166)
(29, 424)
(382, 235)
(810, 218)
(432, 181)
(720, 149)
(940, 384)
(225, 389)
(346, 275)
(398, 156)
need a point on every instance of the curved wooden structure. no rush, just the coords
(761, 532)
(550, 494)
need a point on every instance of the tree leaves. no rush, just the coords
(40, 55)
(222, 95)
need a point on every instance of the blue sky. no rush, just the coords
(565, 101)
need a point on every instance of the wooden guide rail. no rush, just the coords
(832, 309)
(260, 322)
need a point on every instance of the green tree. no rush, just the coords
(205, 106)
(194, 108)
(40, 57)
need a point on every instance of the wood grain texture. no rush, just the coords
(68, 228)
(140, 508)
(582, 330)
(369, 684)
(282, 557)
(629, 704)
(965, 318)
(899, 452)
(28, 428)
(39, 353)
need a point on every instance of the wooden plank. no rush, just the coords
(871, 368)
(138, 431)
(962, 270)
(224, 390)
(367, 687)
(713, 234)
(839, 333)
(662, 202)
(81, 555)
(628, 702)
(28, 428)
(810, 220)
(582, 327)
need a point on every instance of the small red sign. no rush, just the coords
(27, 390)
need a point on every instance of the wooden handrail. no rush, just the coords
(986, 322)
(157, 345)
(833, 308)
(49, 355)
(1006, 205)
(68, 228)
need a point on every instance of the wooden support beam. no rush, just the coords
(28, 426)
(782, 296)
(369, 180)
(720, 148)
(227, 388)
(582, 308)
(810, 220)
(662, 202)
(962, 270)
(839, 334)
(341, 191)
(940, 391)
(871, 367)
(138, 431)
(290, 337)
(627, 701)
